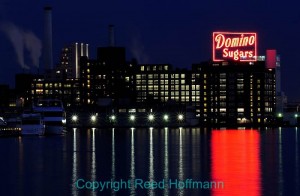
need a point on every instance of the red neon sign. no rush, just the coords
(234, 46)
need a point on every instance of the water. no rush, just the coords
(250, 162)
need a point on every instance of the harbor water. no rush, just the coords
(150, 161)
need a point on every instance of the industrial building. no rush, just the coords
(235, 88)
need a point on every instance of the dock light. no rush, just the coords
(151, 117)
(112, 117)
(74, 118)
(93, 118)
(180, 117)
(166, 117)
(132, 117)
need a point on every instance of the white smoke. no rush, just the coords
(21, 40)
(138, 52)
(34, 46)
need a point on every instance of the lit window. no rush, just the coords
(240, 110)
(222, 109)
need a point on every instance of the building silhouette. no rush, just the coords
(235, 92)
(220, 93)
(69, 65)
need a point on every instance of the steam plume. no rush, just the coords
(21, 39)
(34, 46)
(137, 50)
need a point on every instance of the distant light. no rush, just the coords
(279, 115)
(132, 117)
(151, 117)
(166, 117)
(74, 118)
(112, 117)
(180, 117)
(93, 118)
(296, 115)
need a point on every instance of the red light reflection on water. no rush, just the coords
(236, 162)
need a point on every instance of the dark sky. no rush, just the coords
(157, 31)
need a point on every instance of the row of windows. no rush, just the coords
(154, 67)
(53, 85)
(161, 76)
(182, 93)
(165, 87)
(159, 81)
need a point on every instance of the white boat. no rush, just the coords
(32, 124)
(53, 115)
(3, 123)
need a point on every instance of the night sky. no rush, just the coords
(156, 31)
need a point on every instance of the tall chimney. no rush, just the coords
(87, 50)
(111, 35)
(48, 56)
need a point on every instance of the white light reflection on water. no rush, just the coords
(151, 160)
(296, 161)
(21, 163)
(166, 162)
(93, 169)
(280, 168)
(249, 161)
(74, 168)
(132, 164)
(113, 164)
(180, 163)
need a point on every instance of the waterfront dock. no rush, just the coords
(10, 132)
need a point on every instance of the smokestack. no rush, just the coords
(87, 50)
(48, 57)
(111, 35)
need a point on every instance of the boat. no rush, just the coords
(32, 124)
(53, 115)
(3, 123)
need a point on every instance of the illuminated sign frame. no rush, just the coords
(236, 46)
